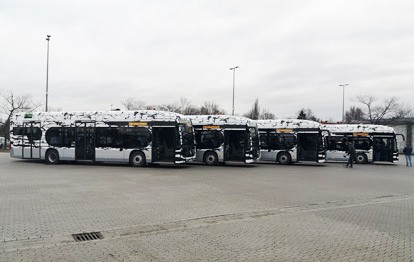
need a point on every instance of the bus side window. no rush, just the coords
(60, 136)
(32, 133)
(208, 139)
(263, 140)
(136, 137)
(18, 131)
(287, 141)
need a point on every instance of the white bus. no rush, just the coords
(223, 138)
(291, 140)
(134, 137)
(373, 143)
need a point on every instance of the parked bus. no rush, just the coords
(291, 140)
(134, 137)
(373, 143)
(222, 139)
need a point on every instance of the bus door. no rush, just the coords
(384, 148)
(163, 143)
(308, 146)
(85, 141)
(235, 145)
(31, 140)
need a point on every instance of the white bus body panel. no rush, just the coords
(287, 123)
(357, 128)
(109, 154)
(265, 155)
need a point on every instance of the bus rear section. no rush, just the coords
(225, 139)
(287, 141)
(26, 140)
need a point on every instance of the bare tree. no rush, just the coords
(173, 107)
(211, 108)
(266, 114)
(307, 114)
(133, 104)
(404, 111)
(383, 111)
(186, 108)
(254, 113)
(354, 114)
(11, 103)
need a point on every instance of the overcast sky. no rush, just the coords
(291, 54)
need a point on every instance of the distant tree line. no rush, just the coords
(371, 109)
(183, 106)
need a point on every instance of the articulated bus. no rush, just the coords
(373, 143)
(222, 139)
(134, 137)
(291, 140)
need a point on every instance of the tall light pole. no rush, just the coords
(234, 78)
(343, 101)
(47, 70)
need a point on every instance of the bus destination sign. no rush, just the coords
(360, 134)
(211, 127)
(138, 123)
(284, 130)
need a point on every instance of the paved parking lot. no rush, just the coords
(188, 213)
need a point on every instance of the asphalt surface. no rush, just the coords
(261, 212)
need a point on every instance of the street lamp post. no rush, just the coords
(47, 70)
(234, 78)
(343, 101)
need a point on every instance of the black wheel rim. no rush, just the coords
(52, 157)
(211, 159)
(137, 159)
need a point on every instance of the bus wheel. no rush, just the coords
(137, 159)
(210, 158)
(52, 157)
(284, 158)
(361, 159)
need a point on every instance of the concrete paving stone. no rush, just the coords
(240, 213)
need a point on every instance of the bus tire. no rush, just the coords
(210, 158)
(52, 157)
(137, 159)
(361, 158)
(284, 158)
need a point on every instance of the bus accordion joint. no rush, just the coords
(138, 124)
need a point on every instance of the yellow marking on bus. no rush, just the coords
(359, 134)
(284, 130)
(138, 123)
(211, 127)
